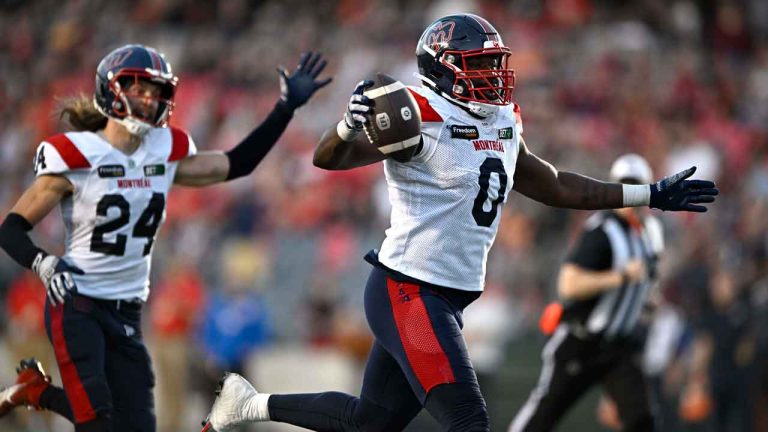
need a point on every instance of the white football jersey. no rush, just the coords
(447, 200)
(112, 217)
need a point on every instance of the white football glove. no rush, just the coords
(356, 116)
(56, 275)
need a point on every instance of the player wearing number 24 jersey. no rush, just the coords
(446, 205)
(118, 205)
(111, 177)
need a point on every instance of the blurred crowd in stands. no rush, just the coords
(273, 262)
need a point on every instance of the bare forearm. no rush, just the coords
(576, 284)
(539, 180)
(582, 192)
(202, 169)
(333, 153)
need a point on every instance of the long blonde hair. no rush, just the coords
(80, 113)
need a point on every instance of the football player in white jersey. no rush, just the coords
(446, 202)
(111, 177)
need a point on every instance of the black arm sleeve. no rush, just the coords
(15, 240)
(244, 157)
(593, 251)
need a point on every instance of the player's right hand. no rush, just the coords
(634, 271)
(359, 107)
(56, 275)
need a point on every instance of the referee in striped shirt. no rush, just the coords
(603, 286)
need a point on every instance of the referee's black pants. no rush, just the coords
(571, 366)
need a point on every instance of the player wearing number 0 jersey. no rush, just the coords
(111, 178)
(457, 182)
(118, 205)
(446, 204)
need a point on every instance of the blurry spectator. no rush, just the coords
(178, 300)
(724, 358)
(661, 348)
(236, 319)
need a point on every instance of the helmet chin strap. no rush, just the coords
(481, 109)
(134, 126)
(476, 108)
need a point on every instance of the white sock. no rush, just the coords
(257, 409)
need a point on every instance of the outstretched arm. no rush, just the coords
(540, 181)
(213, 167)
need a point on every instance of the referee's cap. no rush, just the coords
(631, 168)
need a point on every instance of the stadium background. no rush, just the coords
(265, 274)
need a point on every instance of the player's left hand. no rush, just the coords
(299, 86)
(678, 194)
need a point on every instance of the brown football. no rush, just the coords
(395, 126)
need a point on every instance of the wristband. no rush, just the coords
(636, 195)
(344, 132)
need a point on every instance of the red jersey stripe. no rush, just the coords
(68, 152)
(179, 144)
(78, 398)
(425, 354)
(428, 114)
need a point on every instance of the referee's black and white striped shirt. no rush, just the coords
(610, 242)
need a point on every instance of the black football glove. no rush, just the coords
(359, 107)
(298, 87)
(675, 193)
(56, 275)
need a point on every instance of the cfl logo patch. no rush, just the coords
(405, 112)
(382, 120)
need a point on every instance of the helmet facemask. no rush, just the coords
(138, 107)
(481, 75)
(463, 59)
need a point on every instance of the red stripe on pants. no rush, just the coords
(424, 352)
(78, 398)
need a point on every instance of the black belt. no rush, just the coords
(580, 332)
(117, 304)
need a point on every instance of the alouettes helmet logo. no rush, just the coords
(440, 34)
(117, 59)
